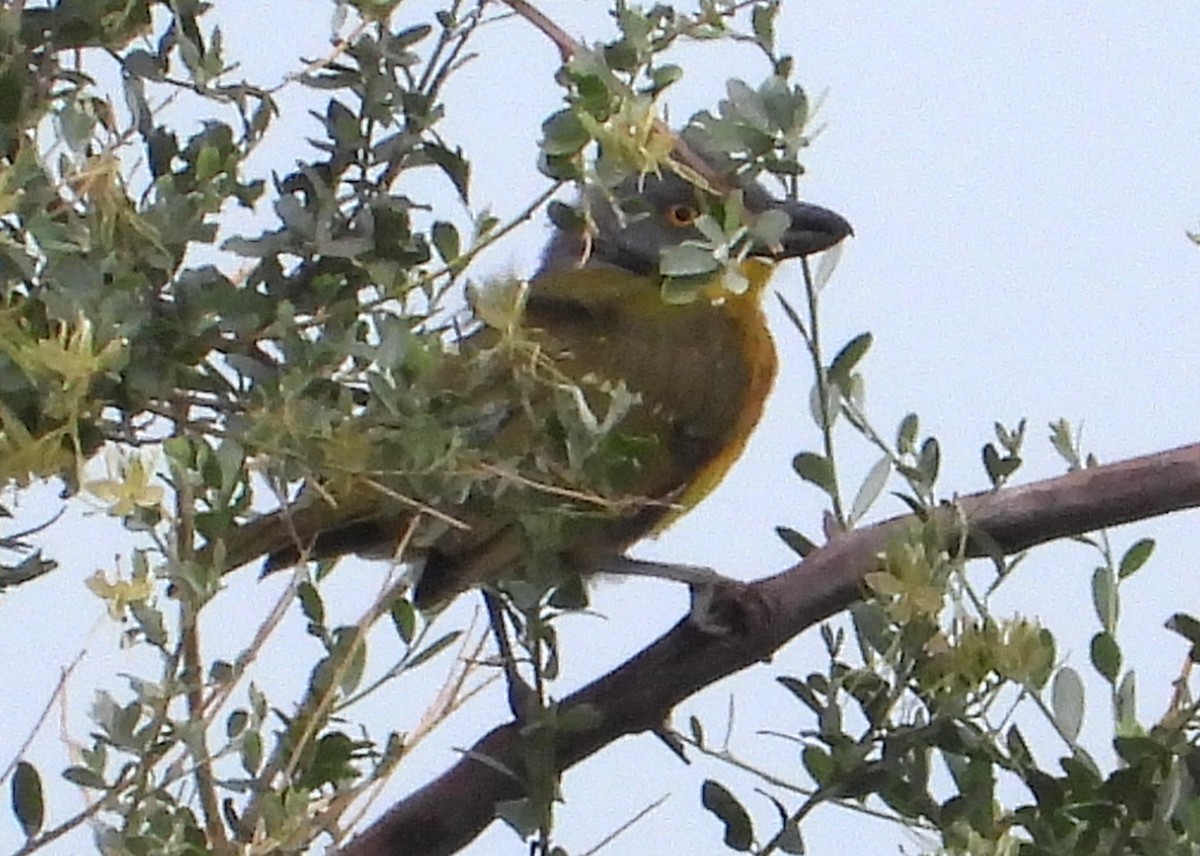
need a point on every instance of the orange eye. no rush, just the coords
(682, 214)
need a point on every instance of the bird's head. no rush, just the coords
(633, 223)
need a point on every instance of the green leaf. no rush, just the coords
(1125, 704)
(825, 412)
(930, 461)
(663, 76)
(848, 357)
(872, 628)
(1105, 598)
(801, 690)
(28, 801)
(312, 606)
(871, 487)
(906, 434)
(1135, 557)
(208, 164)
(1067, 702)
(404, 618)
(819, 765)
(762, 21)
(739, 832)
(686, 260)
(408, 37)
(236, 723)
(349, 644)
(998, 468)
(525, 816)
(445, 240)
(563, 134)
(1106, 656)
(252, 752)
(815, 469)
(1189, 628)
(433, 649)
(83, 777)
(1064, 443)
(799, 544)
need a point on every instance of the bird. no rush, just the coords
(687, 376)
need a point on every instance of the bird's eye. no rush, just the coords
(682, 214)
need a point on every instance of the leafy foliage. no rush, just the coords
(929, 678)
(182, 375)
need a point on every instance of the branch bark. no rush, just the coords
(449, 812)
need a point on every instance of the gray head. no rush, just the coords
(645, 214)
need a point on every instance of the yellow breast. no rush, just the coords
(703, 369)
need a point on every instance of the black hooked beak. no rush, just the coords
(812, 230)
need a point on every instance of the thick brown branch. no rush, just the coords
(450, 811)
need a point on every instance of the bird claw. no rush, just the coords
(727, 607)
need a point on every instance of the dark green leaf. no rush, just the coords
(815, 469)
(663, 76)
(1125, 703)
(801, 545)
(252, 752)
(848, 357)
(1106, 656)
(804, 692)
(998, 468)
(819, 765)
(1105, 598)
(83, 777)
(1136, 556)
(433, 649)
(351, 650)
(906, 434)
(1189, 628)
(404, 618)
(739, 832)
(930, 461)
(408, 37)
(312, 606)
(445, 240)
(237, 722)
(28, 801)
(563, 134)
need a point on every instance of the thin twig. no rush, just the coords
(58, 689)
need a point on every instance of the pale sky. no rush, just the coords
(1020, 178)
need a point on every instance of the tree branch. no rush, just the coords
(449, 812)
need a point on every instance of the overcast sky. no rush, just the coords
(1020, 177)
